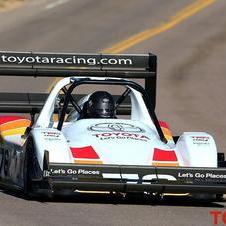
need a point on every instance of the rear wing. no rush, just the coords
(40, 64)
(67, 64)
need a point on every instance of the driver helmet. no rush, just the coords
(100, 104)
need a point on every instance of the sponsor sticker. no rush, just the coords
(120, 136)
(200, 140)
(115, 127)
(110, 131)
(64, 59)
(49, 135)
(70, 172)
(202, 175)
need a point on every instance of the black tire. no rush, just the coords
(1, 159)
(219, 197)
(204, 197)
(221, 164)
(5, 163)
(31, 168)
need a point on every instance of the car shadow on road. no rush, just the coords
(140, 200)
(119, 199)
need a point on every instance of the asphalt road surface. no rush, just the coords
(190, 96)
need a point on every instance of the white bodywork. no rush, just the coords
(118, 141)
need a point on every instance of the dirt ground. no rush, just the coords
(9, 4)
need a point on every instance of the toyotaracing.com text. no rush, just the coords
(70, 60)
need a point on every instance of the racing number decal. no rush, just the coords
(134, 178)
(151, 177)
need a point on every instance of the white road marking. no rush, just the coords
(56, 3)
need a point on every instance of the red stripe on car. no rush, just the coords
(163, 124)
(84, 152)
(164, 155)
(5, 119)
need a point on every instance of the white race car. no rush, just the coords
(107, 143)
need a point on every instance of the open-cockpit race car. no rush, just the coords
(98, 141)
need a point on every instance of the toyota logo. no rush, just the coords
(115, 127)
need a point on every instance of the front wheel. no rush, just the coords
(31, 168)
(221, 164)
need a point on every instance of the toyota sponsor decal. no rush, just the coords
(87, 60)
(64, 59)
(202, 175)
(110, 131)
(116, 127)
(111, 136)
(70, 171)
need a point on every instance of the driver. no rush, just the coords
(99, 105)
